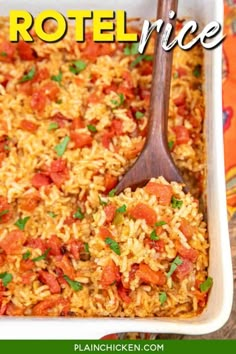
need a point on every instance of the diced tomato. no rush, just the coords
(26, 264)
(38, 101)
(26, 52)
(93, 50)
(149, 276)
(117, 126)
(2, 260)
(104, 232)
(7, 208)
(179, 101)
(75, 248)
(110, 182)
(51, 90)
(26, 88)
(163, 192)
(30, 201)
(41, 74)
(9, 50)
(3, 309)
(60, 119)
(145, 95)
(144, 211)
(6, 78)
(182, 135)
(93, 98)
(126, 91)
(111, 88)
(106, 138)
(110, 211)
(110, 274)
(12, 243)
(69, 220)
(181, 72)
(50, 280)
(13, 310)
(158, 245)
(28, 126)
(59, 172)
(110, 337)
(183, 270)
(27, 277)
(128, 79)
(183, 110)
(123, 294)
(3, 155)
(133, 152)
(146, 68)
(81, 139)
(186, 229)
(65, 265)
(77, 123)
(188, 253)
(42, 307)
(40, 180)
(55, 244)
(37, 243)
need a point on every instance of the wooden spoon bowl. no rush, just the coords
(155, 159)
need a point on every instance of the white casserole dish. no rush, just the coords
(220, 301)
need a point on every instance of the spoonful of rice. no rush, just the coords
(155, 159)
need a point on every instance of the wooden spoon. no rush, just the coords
(155, 159)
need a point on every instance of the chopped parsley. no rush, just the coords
(75, 285)
(42, 257)
(22, 222)
(120, 102)
(175, 75)
(61, 148)
(3, 54)
(139, 115)
(86, 247)
(6, 278)
(204, 287)
(57, 78)
(113, 245)
(197, 71)
(52, 214)
(92, 128)
(176, 204)
(79, 215)
(153, 236)
(29, 76)
(131, 49)
(160, 223)
(178, 261)
(171, 144)
(26, 255)
(112, 193)
(4, 212)
(162, 297)
(122, 209)
(140, 58)
(77, 66)
(53, 126)
(59, 101)
(102, 202)
(6, 147)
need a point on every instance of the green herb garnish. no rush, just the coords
(6, 278)
(28, 76)
(139, 115)
(120, 102)
(43, 256)
(53, 126)
(162, 297)
(122, 209)
(79, 215)
(176, 204)
(92, 128)
(26, 255)
(131, 49)
(171, 144)
(22, 222)
(178, 261)
(160, 223)
(61, 148)
(197, 71)
(57, 78)
(86, 247)
(59, 101)
(113, 245)
(77, 67)
(3, 54)
(140, 58)
(6, 147)
(153, 236)
(102, 202)
(52, 215)
(175, 75)
(112, 193)
(75, 285)
(204, 287)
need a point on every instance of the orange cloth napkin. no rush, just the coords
(229, 103)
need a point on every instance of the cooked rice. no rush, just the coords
(89, 172)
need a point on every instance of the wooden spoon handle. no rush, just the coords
(159, 105)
